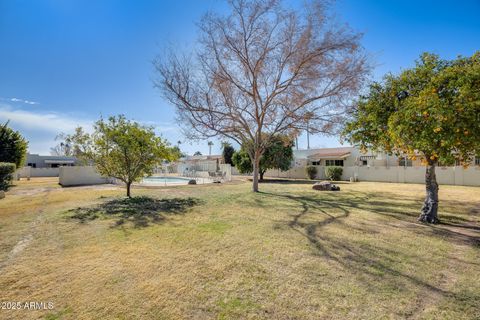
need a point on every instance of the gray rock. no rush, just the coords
(322, 186)
(325, 186)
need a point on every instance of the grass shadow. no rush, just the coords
(376, 266)
(140, 211)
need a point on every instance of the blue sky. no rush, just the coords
(67, 62)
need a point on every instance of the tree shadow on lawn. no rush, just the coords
(140, 211)
(372, 264)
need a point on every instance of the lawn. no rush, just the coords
(221, 252)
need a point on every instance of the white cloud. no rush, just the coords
(43, 121)
(41, 127)
(23, 101)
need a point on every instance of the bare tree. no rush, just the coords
(64, 148)
(262, 70)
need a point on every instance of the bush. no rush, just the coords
(6, 174)
(311, 172)
(333, 173)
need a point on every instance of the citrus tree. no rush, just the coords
(430, 111)
(127, 151)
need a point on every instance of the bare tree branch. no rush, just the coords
(263, 70)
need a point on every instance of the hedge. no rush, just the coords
(334, 173)
(311, 172)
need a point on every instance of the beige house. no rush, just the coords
(351, 156)
(374, 166)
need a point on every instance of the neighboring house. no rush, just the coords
(351, 156)
(38, 161)
(324, 157)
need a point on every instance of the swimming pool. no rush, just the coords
(165, 180)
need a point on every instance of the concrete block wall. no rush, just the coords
(81, 175)
(445, 175)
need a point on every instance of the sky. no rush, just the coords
(65, 63)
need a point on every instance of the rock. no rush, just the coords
(193, 181)
(325, 186)
(322, 186)
(2, 194)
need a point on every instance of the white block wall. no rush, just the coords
(445, 175)
(81, 175)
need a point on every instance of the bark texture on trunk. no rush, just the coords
(430, 206)
(128, 189)
(256, 165)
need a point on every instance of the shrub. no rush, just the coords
(311, 172)
(13, 147)
(6, 174)
(333, 173)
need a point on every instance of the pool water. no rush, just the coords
(163, 180)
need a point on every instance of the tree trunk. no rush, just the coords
(430, 206)
(261, 172)
(129, 184)
(256, 165)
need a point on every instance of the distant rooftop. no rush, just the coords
(322, 152)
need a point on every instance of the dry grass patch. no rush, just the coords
(220, 251)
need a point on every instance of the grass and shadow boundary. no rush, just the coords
(140, 211)
(373, 264)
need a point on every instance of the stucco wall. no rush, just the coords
(445, 175)
(44, 172)
(27, 172)
(82, 175)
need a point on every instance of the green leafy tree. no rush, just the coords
(430, 111)
(278, 155)
(127, 151)
(176, 152)
(227, 152)
(13, 147)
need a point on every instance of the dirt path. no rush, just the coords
(29, 236)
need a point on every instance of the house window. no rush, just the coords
(33, 165)
(404, 162)
(315, 163)
(338, 163)
(364, 162)
(477, 161)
